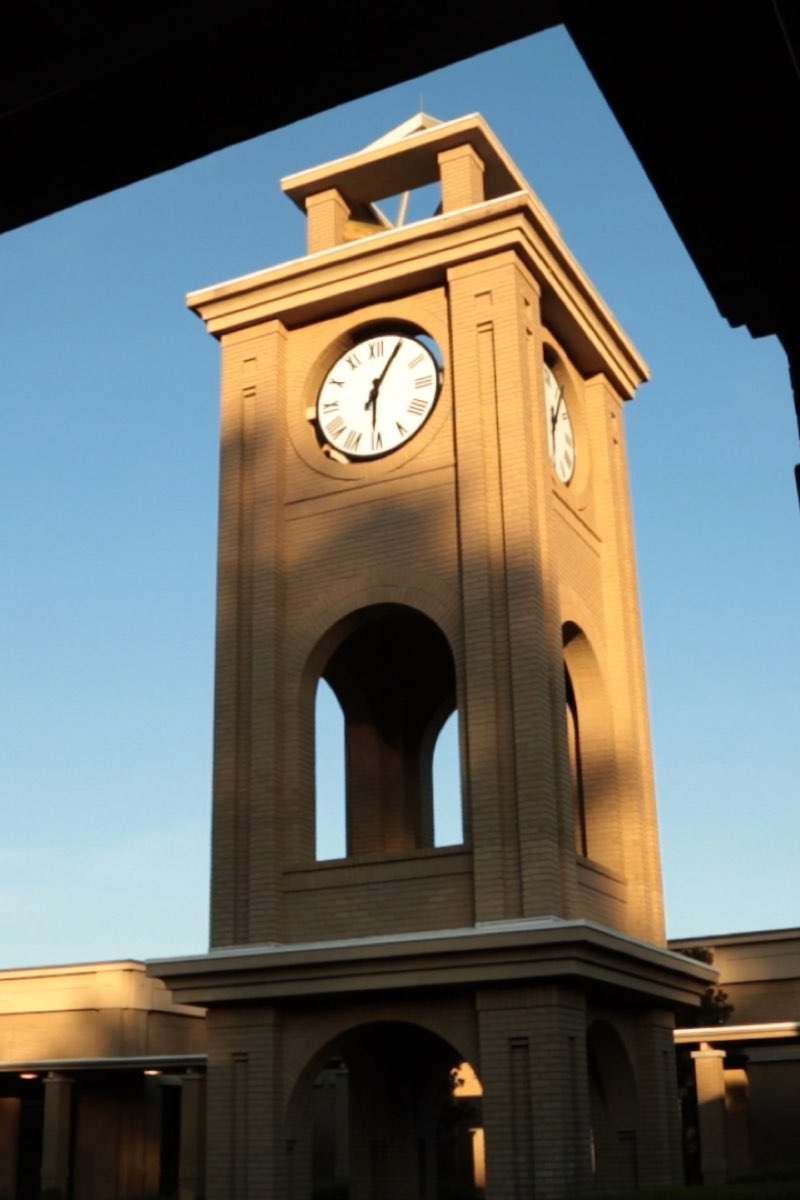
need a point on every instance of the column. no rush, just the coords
(245, 877)
(536, 1093)
(245, 1157)
(521, 808)
(709, 1076)
(461, 173)
(191, 1173)
(327, 214)
(55, 1141)
(9, 1139)
(660, 1157)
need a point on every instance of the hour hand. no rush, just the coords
(372, 401)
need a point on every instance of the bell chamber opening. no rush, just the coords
(393, 676)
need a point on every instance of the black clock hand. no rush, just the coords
(376, 384)
(373, 396)
(554, 418)
(373, 400)
(390, 360)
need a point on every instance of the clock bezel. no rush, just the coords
(554, 367)
(360, 336)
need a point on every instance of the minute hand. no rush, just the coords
(554, 418)
(389, 362)
(376, 383)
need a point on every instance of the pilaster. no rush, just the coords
(536, 1093)
(191, 1169)
(506, 602)
(248, 717)
(660, 1156)
(245, 1159)
(626, 670)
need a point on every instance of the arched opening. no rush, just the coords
(614, 1110)
(575, 766)
(393, 675)
(388, 1110)
(331, 809)
(448, 819)
(591, 753)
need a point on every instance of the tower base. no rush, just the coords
(529, 1057)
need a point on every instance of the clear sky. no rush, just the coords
(108, 515)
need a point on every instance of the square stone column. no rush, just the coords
(9, 1141)
(56, 1136)
(327, 216)
(461, 173)
(660, 1155)
(191, 1170)
(536, 1093)
(709, 1073)
(245, 1157)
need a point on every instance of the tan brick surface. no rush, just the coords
(467, 524)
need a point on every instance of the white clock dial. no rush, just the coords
(377, 396)
(560, 434)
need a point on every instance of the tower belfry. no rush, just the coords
(424, 502)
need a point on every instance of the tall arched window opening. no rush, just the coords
(591, 752)
(448, 819)
(331, 812)
(393, 675)
(575, 766)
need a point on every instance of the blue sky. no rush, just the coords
(108, 514)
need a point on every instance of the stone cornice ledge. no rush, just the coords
(417, 257)
(758, 1031)
(496, 953)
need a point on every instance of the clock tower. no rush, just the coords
(424, 503)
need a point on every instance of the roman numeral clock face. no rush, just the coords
(377, 396)
(560, 434)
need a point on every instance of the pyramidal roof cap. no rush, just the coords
(415, 124)
(406, 158)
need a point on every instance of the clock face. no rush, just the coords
(377, 396)
(560, 434)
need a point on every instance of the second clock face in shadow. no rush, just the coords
(560, 432)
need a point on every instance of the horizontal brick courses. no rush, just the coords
(468, 526)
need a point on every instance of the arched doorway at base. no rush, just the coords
(387, 1111)
(614, 1108)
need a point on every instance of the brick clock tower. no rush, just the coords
(424, 502)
